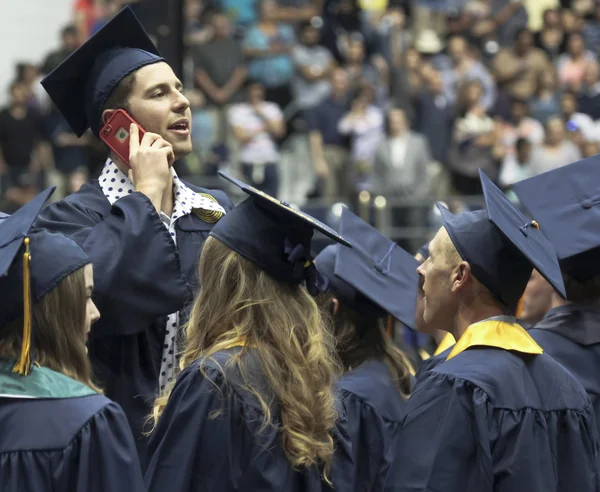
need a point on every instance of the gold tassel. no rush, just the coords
(23, 365)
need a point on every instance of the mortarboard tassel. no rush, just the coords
(23, 365)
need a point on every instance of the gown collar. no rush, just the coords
(499, 332)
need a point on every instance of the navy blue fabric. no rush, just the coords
(325, 119)
(75, 444)
(81, 85)
(502, 246)
(432, 363)
(374, 410)
(140, 278)
(489, 419)
(193, 449)
(565, 202)
(53, 257)
(571, 335)
(274, 236)
(375, 276)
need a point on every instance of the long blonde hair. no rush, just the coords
(239, 302)
(361, 338)
(58, 320)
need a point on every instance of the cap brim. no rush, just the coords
(277, 206)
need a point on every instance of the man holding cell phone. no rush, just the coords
(140, 224)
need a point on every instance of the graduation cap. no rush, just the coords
(566, 203)
(32, 263)
(274, 236)
(81, 85)
(502, 246)
(375, 277)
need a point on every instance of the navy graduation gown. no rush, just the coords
(373, 411)
(432, 363)
(140, 278)
(493, 420)
(58, 435)
(209, 438)
(571, 335)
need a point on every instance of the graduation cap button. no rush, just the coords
(590, 202)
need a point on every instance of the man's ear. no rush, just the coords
(107, 114)
(461, 275)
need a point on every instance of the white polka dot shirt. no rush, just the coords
(116, 185)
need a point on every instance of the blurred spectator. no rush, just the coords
(257, 125)
(364, 125)
(556, 151)
(219, 71)
(269, 45)
(466, 69)
(571, 65)
(591, 31)
(401, 170)
(475, 144)
(517, 166)
(197, 30)
(21, 146)
(28, 75)
(329, 148)
(314, 64)
(590, 149)
(205, 133)
(69, 42)
(361, 72)
(520, 125)
(85, 16)
(551, 39)
(435, 117)
(519, 68)
(580, 121)
(546, 102)
(535, 12)
(242, 12)
(588, 100)
(401, 160)
(69, 153)
(343, 22)
(394, 34)
(571, 21)
(429, 47)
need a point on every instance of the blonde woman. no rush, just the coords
(56, 431)
(368, 284)
(253, 408)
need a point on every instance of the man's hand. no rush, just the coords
(150, 162)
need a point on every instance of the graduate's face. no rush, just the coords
(91, 311)
(157, 103)
(437, 272)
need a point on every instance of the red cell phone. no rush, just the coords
(115, 133)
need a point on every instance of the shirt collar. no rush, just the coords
(500, 332)
(115, 184)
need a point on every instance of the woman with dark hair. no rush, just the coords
(254, 406)
(57, 431)
(374, 281)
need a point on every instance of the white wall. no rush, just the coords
(29, 29)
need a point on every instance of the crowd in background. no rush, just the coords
(325, 98)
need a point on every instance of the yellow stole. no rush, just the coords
(499, 334)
